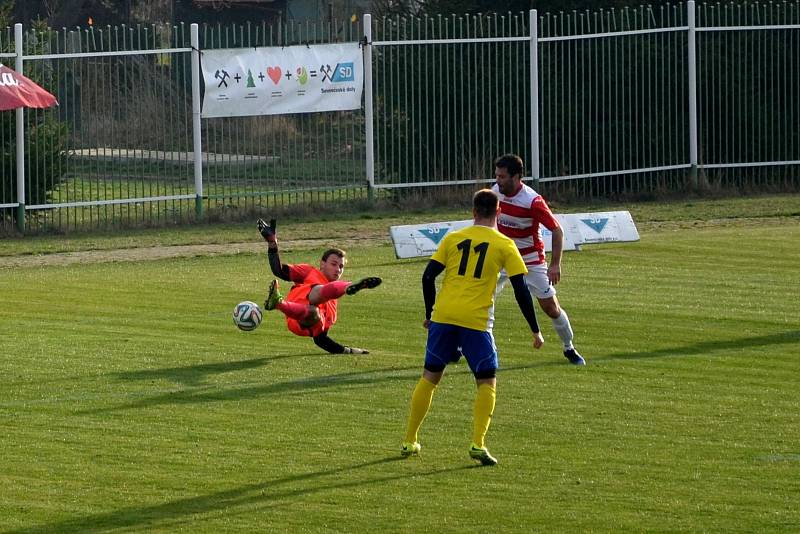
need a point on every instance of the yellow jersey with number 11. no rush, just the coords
(473, 257)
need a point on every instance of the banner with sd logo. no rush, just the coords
(279, 80)
(416, 240)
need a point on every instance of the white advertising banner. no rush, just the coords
(599, 227)
(415, 240)
(279, 80)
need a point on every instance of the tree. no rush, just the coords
(70, 13)
(473, 7)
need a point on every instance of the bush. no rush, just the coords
(45, 137)
(45, 141)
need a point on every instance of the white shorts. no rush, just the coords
(536, 280)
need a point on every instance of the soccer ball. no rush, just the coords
(247, 315)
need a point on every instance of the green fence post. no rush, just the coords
(21, 218)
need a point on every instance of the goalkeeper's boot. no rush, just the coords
(482, 455)
(274, 296)
(365, 283)
(410, 449)
(573, 357)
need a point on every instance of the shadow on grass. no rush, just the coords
(213, 393)
(267, 494)
(190, 375)
(699, 348)
(704, 347)
(197, 392)
(195, 375)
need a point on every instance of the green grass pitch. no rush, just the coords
(129, 402)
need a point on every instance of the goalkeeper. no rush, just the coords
(310, 306)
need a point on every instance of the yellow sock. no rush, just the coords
(420, 403)
(484, 407)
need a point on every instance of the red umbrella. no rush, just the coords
(17, 91)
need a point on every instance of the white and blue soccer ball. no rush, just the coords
(247, 315)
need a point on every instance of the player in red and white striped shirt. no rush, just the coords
(522, 210)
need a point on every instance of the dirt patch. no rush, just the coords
(361, 236)
(177, 251)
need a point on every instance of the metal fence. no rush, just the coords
(124, 94)
(127, 156)
(599, 103)
(626, 102)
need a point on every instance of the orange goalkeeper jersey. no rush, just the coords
(305, 277)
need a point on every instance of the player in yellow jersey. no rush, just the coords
(459, 321)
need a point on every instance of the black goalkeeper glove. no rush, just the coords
(268, 230)
(355, 350)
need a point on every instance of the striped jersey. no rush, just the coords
(520, 217)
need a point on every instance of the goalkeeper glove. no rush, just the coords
(355, 350)
(268, 230)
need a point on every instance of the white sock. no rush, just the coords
(564, 329)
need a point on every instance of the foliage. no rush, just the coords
(6, 11)
(475, 7)
(45, 138)
(71, 13)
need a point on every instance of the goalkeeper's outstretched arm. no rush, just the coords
(281, 270)
(327, 344)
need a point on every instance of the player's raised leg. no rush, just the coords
(329, 291)
(274, 296)
(365, 283)
(334, 290)
(304, 313)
